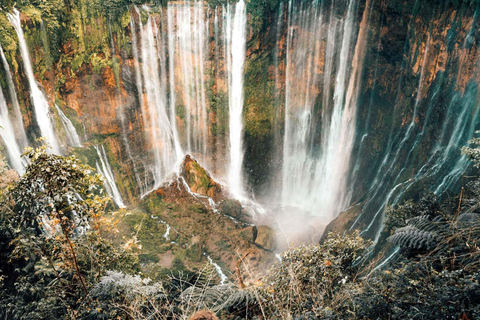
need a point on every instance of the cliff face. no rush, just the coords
(411, 78)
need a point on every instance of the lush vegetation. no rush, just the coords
(57, 261)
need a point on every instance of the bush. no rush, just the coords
(308, 277)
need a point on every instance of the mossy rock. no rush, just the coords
(198, 179)
(198, 208)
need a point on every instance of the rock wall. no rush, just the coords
(418, 89)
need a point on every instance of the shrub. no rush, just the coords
(308, 277)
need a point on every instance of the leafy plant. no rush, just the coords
(308, 277)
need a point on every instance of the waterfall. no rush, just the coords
(170, 62)
(314, 179)
(235, 48)
(455, 125)
(8, 136)
(39, 101)
(72, 135)
(163, 139)
(18, 120)
(11, 128)
(108, 179)
(223, 277)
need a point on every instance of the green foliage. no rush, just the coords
(260, 13)
(473, 153)
(98, 63)
(50, 222)
(121, 296)
(55, 190)
(415, 290)
(397, 217)
(309, 276)
(421, 233)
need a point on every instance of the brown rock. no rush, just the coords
(343, 222)
(265, 238)
(249, 233)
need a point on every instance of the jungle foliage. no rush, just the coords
(56, 262)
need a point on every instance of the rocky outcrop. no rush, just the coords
(201, 227)
(199, 180)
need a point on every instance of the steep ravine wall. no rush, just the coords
(418, 88)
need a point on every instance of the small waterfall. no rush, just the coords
(11, 128)
(72, 135)
(7, 133)
(235, 47)
(223, 277)
(18, 120)
(39, 101)
(108, 179)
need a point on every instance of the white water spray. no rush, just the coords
(108, 179)
(8, 136)
(39, 101)
(236, 45)
(17, 114)
(72, 135)
(315, 180)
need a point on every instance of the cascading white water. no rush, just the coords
(108, 179)
(18, 120)
(170, 63)
(444, 165)
(235, 47)
(7, 133)
(187, 47)
(39, 101)
(72, 135)
(314, 180)
(12, 135)
(162, 135)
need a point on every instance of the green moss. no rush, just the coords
(154, 203)
(198, 208)
(219, 105)
(86, 155)
(177, 264)
(149, 232)
(259, 98)
(180, 111)
(148, 257)
(201, 173)
(98, 63)
(77, 62)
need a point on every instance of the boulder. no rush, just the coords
(234, 209)
(265, 238)
(249, 233)
(344, 221)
